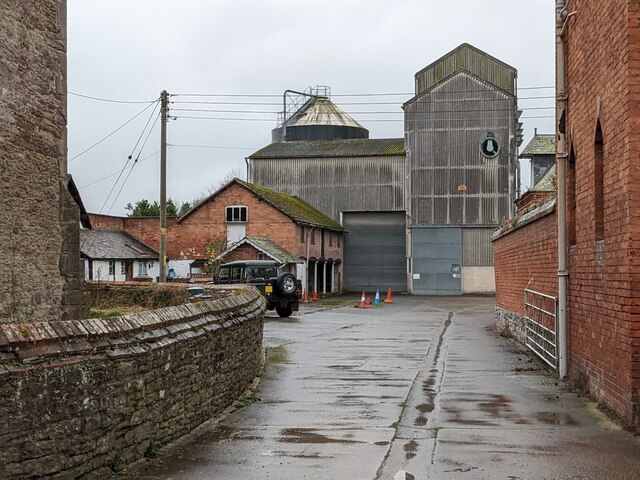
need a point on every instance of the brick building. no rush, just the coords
(603, 208)
(238, 210)
(39, 237)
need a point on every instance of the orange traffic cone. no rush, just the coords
(363, 302)
(314, 297)
(388, 299)
(305, 297)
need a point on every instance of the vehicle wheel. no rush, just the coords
(284, 311)
(286, 283)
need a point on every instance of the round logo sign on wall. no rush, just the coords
(490, 146)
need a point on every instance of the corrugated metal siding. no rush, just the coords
(476, 247)
(375, 251)
(474, 61)
(335, 185)
(443, 130)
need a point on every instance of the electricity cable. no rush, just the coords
(446, 119)
(135, 162)
(272, 95)
(116, 173)
(113, 132)
(109, 99)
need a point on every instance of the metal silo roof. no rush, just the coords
(321, 111)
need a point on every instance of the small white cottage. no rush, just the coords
(115, 255)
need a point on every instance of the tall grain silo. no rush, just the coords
(461, 136)
(311, 115)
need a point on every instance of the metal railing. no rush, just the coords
(294, 101)
(540, 311)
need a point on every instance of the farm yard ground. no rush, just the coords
(421, 389)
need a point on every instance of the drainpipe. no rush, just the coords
(561, 164)
(246, 161)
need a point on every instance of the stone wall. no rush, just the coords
(85, 398)
(39, 268)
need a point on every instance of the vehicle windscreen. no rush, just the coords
(223, 274)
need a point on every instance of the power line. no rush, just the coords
(116, 173)
(278, 95)
(110, 100)
(143, 130)
(179, 117)
(171, 145)
(135, 162)
(208, 102)
(112, 133)
(395, 112)
(271, 95)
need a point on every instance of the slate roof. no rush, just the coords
(547, 183)
(292, 206)
(358, 147)
(540, 144)
(114, 244)
(267, 246)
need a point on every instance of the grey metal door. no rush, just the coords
(437, 260)
(375, 251)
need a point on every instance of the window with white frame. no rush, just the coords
(235, 214)
(142, 269)
(121, 268)
(112, 267)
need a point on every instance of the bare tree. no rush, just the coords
(211, 189)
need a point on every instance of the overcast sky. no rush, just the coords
(132, 50)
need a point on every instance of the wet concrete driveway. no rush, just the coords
(421, 389)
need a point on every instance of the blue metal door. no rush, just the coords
(437, 260)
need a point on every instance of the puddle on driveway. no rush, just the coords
(307, 435)
(410, 449)
(553, 418)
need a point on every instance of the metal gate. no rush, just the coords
(541, 325)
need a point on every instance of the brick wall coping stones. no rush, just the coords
(529, 217)
(71, 341)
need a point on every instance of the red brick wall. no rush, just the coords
(243, 252)
(188, 238)
(603, 68)
(529, 253)
(530, 200)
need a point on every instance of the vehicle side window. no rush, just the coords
(223, 274)
(270, 272)
(236, 274)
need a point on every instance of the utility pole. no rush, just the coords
(164, 106)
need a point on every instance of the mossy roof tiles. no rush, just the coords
(360, 147)
(292, 206)
(540, 144)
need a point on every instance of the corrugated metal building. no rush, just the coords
(461, 134)
(357, 182)
(419, 211)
